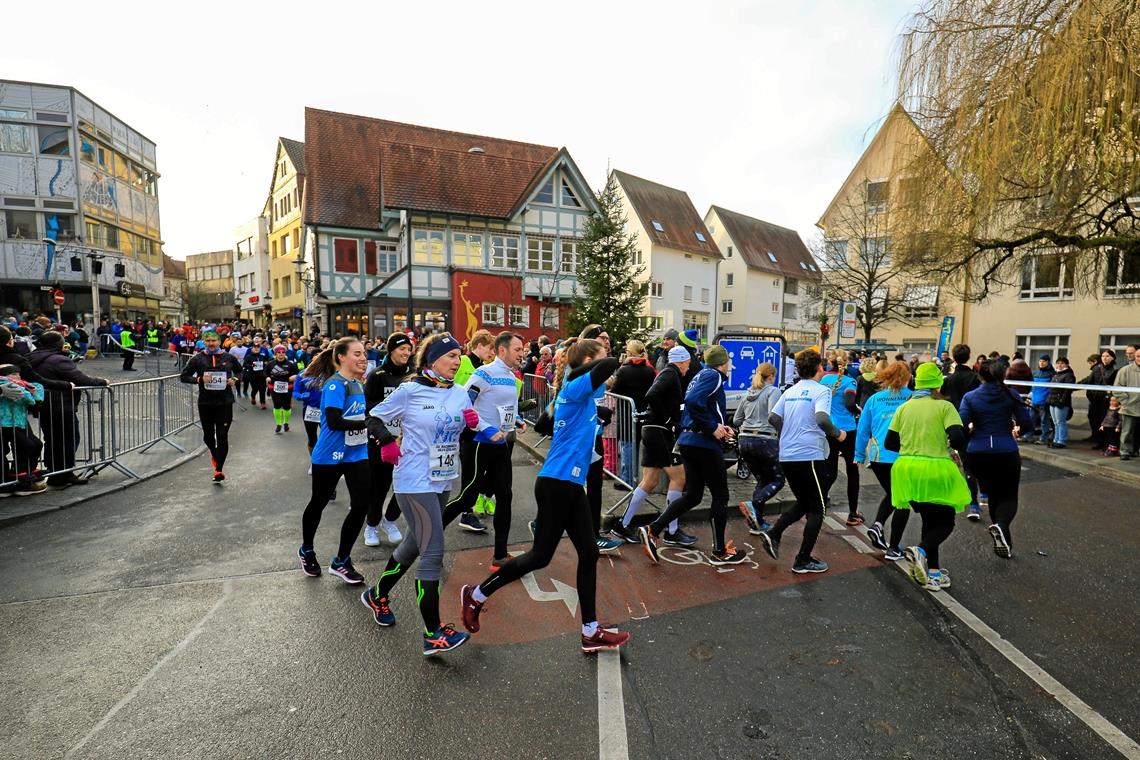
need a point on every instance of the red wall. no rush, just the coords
(496, 288)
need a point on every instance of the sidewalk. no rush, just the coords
(1079, 457)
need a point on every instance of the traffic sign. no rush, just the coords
(847, 314)
(746, 354)
(298, 312)
(58, 298)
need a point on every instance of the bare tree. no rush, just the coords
(1031, 113)
(197, 302)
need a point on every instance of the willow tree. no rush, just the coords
(1031, 111)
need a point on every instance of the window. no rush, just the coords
(569, 257)
(286, 285)
(14, 139)
(276, 288)
(273, 248)
(656, 289)
(812, 267)
(62, 224)
(700, 237)
(9, 113)
(687, 293)
(726, 307)
(920, 301)
(730, 252)
(1046, 276)
(704, 295)
(729, 280)
(549, 317)
(711, 228)
(427, 247)
(285, 244)
(492, 313)
(877, 197)
(638, 258)
(545, 196)
(657, 226)
(651, 323)
(345, 255)
(835, 253)
(1122, 276)
(568, 197)
(386, 257)
(791, 310)
(540, 255)
(504, 252)
(919, 346)
(54, 141)
(792, 286)
(876, 252)
(520, 315)
(297, 238)
(467, 249)
(370, 265)
(771, 257)
(21, 225)
(111, 237)
(1118, 340)
(699, 321)
(1031, 343)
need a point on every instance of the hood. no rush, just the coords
(753, 394)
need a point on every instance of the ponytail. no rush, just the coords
(327, 362)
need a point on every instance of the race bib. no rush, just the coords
(214, 381)
(394, 428)
(507, 418)
(355, 437)
(280, 386)
(257, 366)
(444, 463)
(312, 414)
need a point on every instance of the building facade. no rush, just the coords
(172, 307)
(78, 194)
(251, 271)
(210, 286)
(287, 284)
(419, 227)
(766, 278)
(678, 253)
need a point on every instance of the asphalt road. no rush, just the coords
(171, 621)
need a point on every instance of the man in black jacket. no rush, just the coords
(962, 379)
(60, 422)
(215, 372)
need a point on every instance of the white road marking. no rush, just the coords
(138, 687)
(834, 524)
(860, 546)
(613, 743)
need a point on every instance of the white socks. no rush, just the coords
(478, 595)
(639, 497)
(589, 629)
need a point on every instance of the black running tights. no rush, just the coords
(703, 467)
(805, 481)
(325, 477)
(937, 525)
(216, 420)
(846, 449)
(999, 477)
(887, 511)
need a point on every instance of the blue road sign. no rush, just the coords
(746, 355)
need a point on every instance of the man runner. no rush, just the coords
(215, 372)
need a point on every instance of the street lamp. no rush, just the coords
(304, 274)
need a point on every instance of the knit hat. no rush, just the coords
(927, 376)
(1044, 358)
(281, 348)
(395, 340)
(671, 334)
(689, 338)
(8, 369)
(210, 334)
(50, 340)
(679, 354)
(440, 347)
(716, 356)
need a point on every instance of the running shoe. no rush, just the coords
(219, 476)
(894, 554)
(478, 507)
(624, 533)
(444, 639)
(649, 542)
(678, 538)
(607, 545)
(470, 608)
(1001, 545)
(30, 488)
(933, 581)
(916, 558)
(309, 562)
(875, 533)
(855, 518)
(469, 522)
(286, 427)
(344, 570)
(489, 505)
(813, 565)
(277, 430)
(604, 638)
(498, 562)
(263, 406)
(771, 545)
(532, 526)
(381, 610)
(392, 531)
(371, 535)
(944, 581)
(974, 512)
(730, 556)
(752, 517)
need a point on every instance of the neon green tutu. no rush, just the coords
(934, 480)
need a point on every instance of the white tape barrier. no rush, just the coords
(1075, 386)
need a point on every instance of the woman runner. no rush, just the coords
(562, 503)
(759, 444)
(874, 424)
(282, 372)
(924, 477)
(341, 450)
(431, 411)
(254, 364)
(308, 391)
(843, 410)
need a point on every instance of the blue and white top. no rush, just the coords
(575, 425)
(493, 389)
(430, 419)
(337, 446)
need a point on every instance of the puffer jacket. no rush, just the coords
(1062, 397)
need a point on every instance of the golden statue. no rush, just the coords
(472, 313)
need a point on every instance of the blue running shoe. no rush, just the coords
(974, 513)
(444, 639)
(309, 562)
(381, 611)
(607, 545)
(343, 569)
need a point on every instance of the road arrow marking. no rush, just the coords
(562, 592)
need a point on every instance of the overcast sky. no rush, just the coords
(760, 107)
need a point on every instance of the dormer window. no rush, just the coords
(657, 226)
(700, 237)
(803, 266)
(546, 194)
(772, 257)
(568, 197)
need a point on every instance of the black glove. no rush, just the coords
(605, 414)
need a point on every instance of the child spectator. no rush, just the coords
(1110, 428)
(16, 398)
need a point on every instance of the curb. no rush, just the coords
(1099, 469)
(89, 495)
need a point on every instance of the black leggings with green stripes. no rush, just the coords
(805, 479)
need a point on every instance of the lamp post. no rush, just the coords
(307, 286)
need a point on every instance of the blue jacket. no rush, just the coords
(1040, 395)
(14, 414)
(992, 408)
(705, 408)
(875, 422)
(308, 390)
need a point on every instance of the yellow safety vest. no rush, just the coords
(126, 339)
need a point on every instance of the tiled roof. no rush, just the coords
(672, 209)
(173, 268)
(343, 156)
(755, 238)
(420, 178)
(295, 149)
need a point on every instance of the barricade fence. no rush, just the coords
(91, 428)
(152, 356)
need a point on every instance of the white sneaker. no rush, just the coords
(310, 472)
(392, 530)
(371, 535)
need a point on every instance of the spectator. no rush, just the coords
(531, 363)
(1129, 376)
(1110, 428)
(1039, 397)
(60, 422)
(10, 354)
(661, 357)
(545, 366)
(1061, 403)
(865, 385)
(17, 396)
(1102, 372)
(632, 380)
(961, 378)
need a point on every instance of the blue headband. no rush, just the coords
(440, 347)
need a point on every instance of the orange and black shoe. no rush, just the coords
(381, 610)
(855, 518)
(219, 476)
(604, 638)
(443, 639)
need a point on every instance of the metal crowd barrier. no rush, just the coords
(151, 356)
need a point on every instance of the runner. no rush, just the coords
(254, 367)
(282, 372)
(597, 468)
(480, 351)
(658, 438)
(989, 413)
(238, 351)
(432, 411)
(703, 434)
(802, 417)
(308, 390)
(843, 410)
(394, 369)
(759, 445)
(924, 477)
(870, 450)
(341, 450)
(562, 504)
(215, 373)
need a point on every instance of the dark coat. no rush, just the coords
(52, 364)
(1062, 397)
(29, 373)
(633, 379)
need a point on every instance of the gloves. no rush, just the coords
(605, 414)
(470, 417)
(390, 453)
(12, 391)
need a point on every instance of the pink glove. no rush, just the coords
(470, 417)
(390, 453)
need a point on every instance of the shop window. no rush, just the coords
(345, 256)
